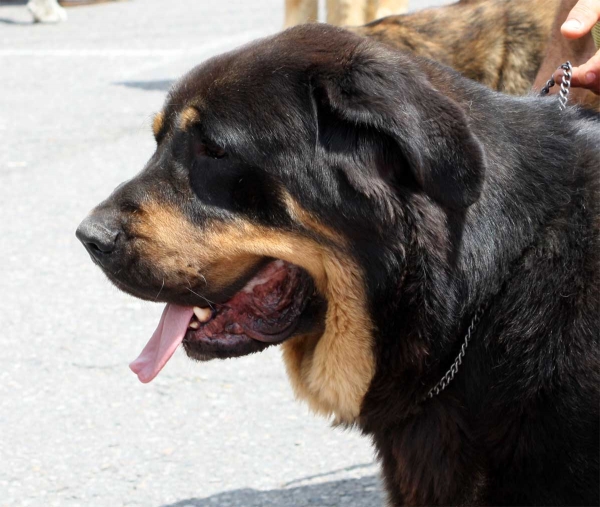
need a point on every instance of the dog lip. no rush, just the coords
(249, 334)
(223, 348)
(264, 312)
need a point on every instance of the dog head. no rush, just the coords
(276, 204)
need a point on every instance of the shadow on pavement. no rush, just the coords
(8, 21)
(13, 3)
(161, 84)
(363, 492)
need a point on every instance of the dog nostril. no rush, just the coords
(100, 247)
(98, 237)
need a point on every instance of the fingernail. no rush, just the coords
(590, 77)
(572, 24)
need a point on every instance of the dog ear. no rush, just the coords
(384, 93)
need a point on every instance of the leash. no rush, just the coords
(565, 85)
(567, 68)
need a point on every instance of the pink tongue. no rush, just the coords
(165, 340)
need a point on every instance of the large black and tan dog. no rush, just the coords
(367, 210)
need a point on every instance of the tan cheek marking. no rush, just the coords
(187, 255)
(332, 372)
(157, 123)
(188, 117)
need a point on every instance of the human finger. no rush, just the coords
(588, 75)
(581, 19)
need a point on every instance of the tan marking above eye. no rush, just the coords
(157, 123)
(188, 117)
(332, 372)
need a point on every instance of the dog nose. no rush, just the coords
(98, 236)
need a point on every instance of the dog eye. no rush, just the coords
(207, 149)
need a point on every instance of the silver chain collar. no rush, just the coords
(565, 85)
(449, 376)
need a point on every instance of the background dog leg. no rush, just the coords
(346, 12)
(300, 11)
(381, 8)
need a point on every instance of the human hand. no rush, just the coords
(579, 22)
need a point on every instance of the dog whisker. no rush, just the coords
(160, 290)
(210, 303)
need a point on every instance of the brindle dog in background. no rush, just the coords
(360, 206)
(500, 43)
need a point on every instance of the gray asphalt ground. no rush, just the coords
(76, 426)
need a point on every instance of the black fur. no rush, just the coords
(452, 197)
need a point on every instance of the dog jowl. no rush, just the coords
(358, 207)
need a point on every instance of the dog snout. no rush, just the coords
(99, 235)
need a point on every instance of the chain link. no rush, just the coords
(565, 85)
(449, 376)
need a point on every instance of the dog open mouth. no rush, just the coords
(267, 310)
